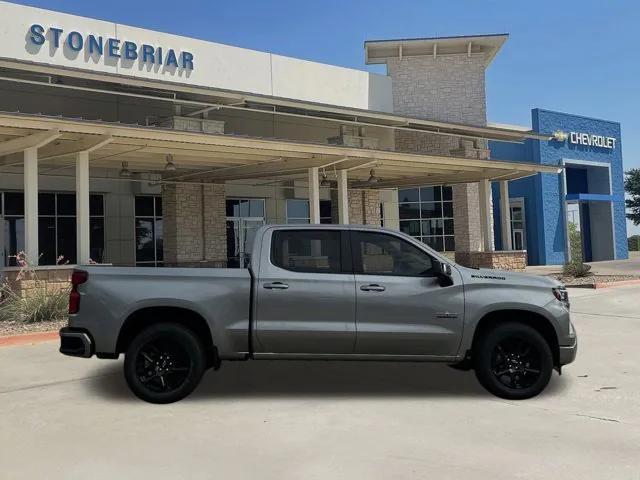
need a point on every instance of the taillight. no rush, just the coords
(78, 277)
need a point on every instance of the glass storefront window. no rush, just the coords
(427, 214)
(298, 211)
(56, 227)
(149, 231)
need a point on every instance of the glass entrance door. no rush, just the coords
(518, 229)
(244, 218)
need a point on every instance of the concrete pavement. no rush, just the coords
(73, 418)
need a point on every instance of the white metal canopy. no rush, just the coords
(219, 157)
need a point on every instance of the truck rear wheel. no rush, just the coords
(164, 363)
(513, 361)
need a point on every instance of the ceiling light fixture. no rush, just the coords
(170, 166)
(125, 172)
(325, 181)
(372, 177)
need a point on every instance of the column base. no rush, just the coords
(514, 260)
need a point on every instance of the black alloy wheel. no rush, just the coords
(164, 363)
(513, 361)
(516, 363)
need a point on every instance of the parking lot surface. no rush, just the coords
(75, 419)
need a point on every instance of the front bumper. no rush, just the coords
(568, 352)
(76, 342)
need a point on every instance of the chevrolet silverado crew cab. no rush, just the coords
(328, 292)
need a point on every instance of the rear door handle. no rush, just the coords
(276, 286)
(373, 287)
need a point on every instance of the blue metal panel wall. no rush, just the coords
(552, 152)
(542, 193)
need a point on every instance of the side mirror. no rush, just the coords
(443, 274)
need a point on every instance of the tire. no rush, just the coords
(513, 361)
(164, 363)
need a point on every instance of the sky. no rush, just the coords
(578, 57)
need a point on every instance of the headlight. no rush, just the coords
(561, 295)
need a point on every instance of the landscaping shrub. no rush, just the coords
(38, 304)
(576, 266)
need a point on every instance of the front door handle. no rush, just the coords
(276, 286)
(373, 287)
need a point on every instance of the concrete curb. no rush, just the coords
(621, 283)
(28, 338)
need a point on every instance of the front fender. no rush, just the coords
(536, 303)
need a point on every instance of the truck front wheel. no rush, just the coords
(164, 363)
(513, 361)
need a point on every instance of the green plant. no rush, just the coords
(575, 267)
(38, 304)
(634, 243)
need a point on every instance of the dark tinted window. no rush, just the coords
(144, 240)
(408, 195)
(144, 206)
(315, 251)
(158, 206)
(67, 239)
(66, 204)
(380, 254)
(245, 208)
(46, 204)
(96, 205)
(96, 239)
(14, 203)
(47, 240)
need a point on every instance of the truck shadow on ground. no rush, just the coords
(263, 379)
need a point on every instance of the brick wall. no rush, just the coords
(194, 220)
(501, 260)
(448, 88)
(51, 278)
(215, 226)
(364, 207)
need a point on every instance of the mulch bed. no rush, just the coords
(591, 280)
(20, 328)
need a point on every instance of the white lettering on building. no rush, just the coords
(590, 140)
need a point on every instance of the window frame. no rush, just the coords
(417, 203)
(356, 253)
(344, 245)
(154, 218)
(55, 216)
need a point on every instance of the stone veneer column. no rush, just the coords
(364, 207)
(448, 88)
(194, 224)
(215, 224)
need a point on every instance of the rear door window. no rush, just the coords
(313, 251)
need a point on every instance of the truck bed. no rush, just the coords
(220, 295)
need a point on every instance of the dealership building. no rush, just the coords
(134, 147)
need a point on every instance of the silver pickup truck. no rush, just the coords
(328, 292)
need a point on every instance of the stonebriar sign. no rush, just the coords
(97, 45)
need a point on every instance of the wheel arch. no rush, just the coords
(535, 320)
(147, 316)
